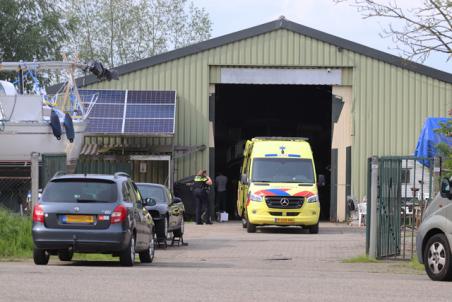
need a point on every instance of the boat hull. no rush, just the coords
(19, 140)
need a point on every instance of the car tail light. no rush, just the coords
(119, 214)
(38, 213)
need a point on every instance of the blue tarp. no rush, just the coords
(426, 145)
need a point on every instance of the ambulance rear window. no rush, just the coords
(293, 170)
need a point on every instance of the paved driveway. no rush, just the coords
(224, 263)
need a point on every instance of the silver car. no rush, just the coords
(434, 238)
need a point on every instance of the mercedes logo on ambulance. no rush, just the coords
(284, 202)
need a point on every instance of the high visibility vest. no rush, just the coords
(200, 182)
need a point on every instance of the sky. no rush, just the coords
(341, 20)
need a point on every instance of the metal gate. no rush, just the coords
(405, 186)
(51, 163)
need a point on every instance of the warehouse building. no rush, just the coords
(284, 79)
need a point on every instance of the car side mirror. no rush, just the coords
(244, 179)
(445, 188)
(177, 200)
(321, 182)
(147, 202)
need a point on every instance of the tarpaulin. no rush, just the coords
(429, 139)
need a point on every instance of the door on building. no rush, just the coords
(244, 111)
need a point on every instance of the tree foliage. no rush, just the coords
(424, 30)
(32, 29)
(122, 31)
(112, 31)
(445, 150)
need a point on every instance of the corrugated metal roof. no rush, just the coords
(387, 105)
(265, 28)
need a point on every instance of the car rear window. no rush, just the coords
(80, 190)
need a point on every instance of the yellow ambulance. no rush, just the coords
(278, 184)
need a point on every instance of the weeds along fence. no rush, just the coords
(15, 235)
(16, 180)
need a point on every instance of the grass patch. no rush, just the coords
(360, 259)
(15, 235)
(414, 264)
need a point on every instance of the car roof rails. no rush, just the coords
(59, 173)
(123, 174)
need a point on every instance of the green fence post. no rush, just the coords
(373, 208)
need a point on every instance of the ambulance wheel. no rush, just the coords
(314, 229)
(250, 228)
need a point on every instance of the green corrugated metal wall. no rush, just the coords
(101, 166)
(389, 103)
(51, 164)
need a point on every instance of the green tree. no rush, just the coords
(445, 150)
(32, 29)
(418, 32)
(122, 31)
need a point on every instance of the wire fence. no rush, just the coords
(15, 194)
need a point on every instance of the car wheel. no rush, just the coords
(65, 255)
(40, 257)
(148, 255)
(314, 229)
(127, 256)
(437, 260)
(180, 232)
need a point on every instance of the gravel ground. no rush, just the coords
(224, 263)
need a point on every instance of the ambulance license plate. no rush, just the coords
(283, 219)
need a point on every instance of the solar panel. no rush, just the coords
(149, 126)
(150, 111)
(151, 97)
(107, 111)
(104, 96)
(131, 112)
(104, 125)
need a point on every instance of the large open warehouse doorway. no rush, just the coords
(245, 111)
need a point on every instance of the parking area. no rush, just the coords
(224, 263)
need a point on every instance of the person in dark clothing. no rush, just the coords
(221, 182)
(201, 186)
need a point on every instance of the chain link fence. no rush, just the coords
(15, 194)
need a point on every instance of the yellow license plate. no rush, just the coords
(283, 219)
(78, 219)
